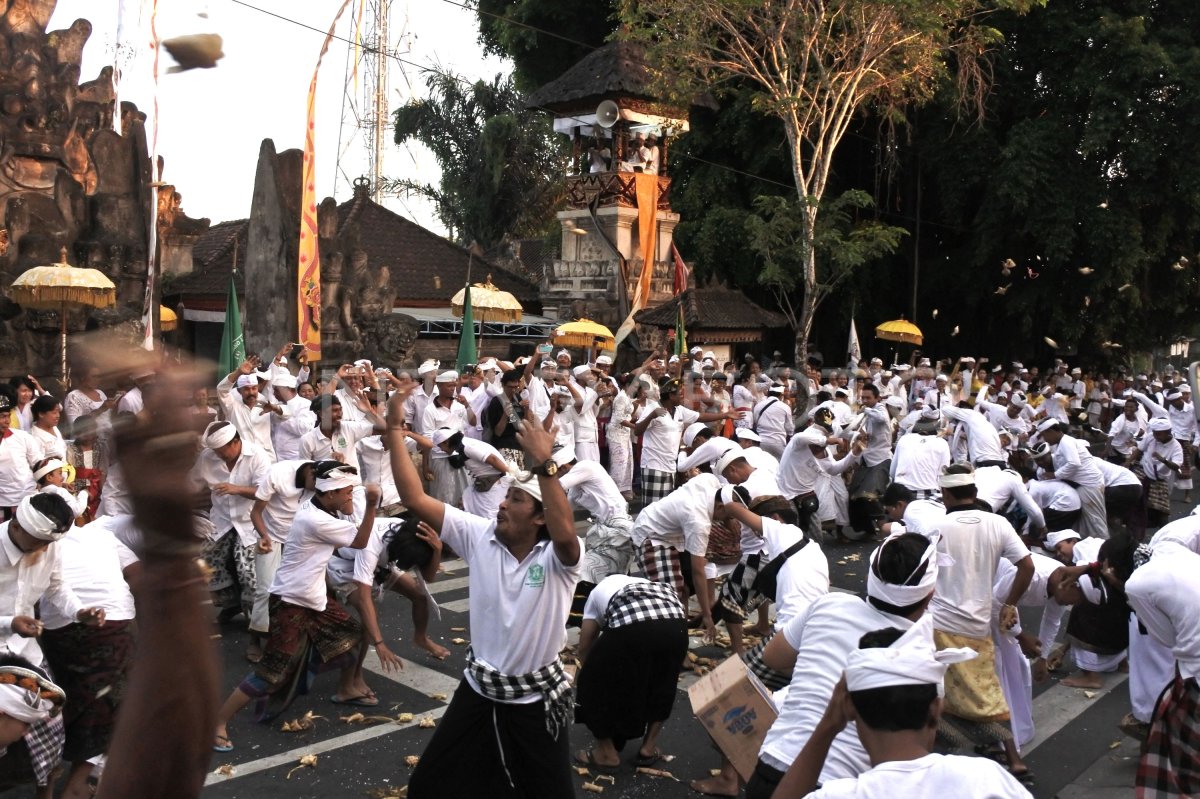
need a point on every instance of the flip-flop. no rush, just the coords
(1024, 777)
(647, 760)
(227, 746)
(365, 700)
(586, 757)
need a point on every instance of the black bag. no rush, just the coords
(766, 581)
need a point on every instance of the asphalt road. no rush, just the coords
(368, 759)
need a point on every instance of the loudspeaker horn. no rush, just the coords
(607, 114)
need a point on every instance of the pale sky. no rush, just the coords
(211, 121)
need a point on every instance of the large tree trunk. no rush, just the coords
(808, 305)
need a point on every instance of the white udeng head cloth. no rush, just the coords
(36, 523)
(904, 595)
(338, 478)
(912, 660)
(955, 480)
(528, 482)
(218, 434)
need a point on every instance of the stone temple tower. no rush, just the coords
(606, 105)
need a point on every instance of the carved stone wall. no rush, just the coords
(67, 180)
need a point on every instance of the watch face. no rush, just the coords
(550, 469)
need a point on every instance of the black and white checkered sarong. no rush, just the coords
(1170, 765)
(656, 485)
(45, 740)
(643, 602)
(550, 681)
(737, 596)
(660, 564)
(755, 663)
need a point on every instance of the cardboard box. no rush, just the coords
(736, 709)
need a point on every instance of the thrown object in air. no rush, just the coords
(195, 51)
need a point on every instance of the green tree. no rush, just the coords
(817, 65)
(544, 38)
(501, 165)
(1084, 173)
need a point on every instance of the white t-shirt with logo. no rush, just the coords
(660, 441)
(518, 609)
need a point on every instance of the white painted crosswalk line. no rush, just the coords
(445, 586)
(456, 606)
(1057, 707)
(454, 565)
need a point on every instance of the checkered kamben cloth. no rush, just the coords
(45, 740)
(550, 681)
(1170, 764)
(660, 565)
(643, 602)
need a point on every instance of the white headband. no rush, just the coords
(1160, 424)
(528, 482)
(336, 479)
(693, 430)
(218, 434)
(36, 523)
(1054, 539)
(54, 463)
(956, 480)
(901, 595)
(911, 660)
(449, 376)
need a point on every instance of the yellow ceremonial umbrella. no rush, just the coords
(584, 333)
(488, 302)
(56, 287)
(167, 319)
(900, 330)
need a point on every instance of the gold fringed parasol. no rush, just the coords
(584, 333)
(900, 330)
(60, 286)
(488, 303)
(167, 319)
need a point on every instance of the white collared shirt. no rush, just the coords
(1165, 594)
(316, 446)
(591, 487)
(682, 519)
(23, 581)
(93, 563)
(315, 534)
(230, 510)
(287, 432)
(277, 488)
(518, 608)
(253, 423)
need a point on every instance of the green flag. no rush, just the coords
(466, 340)
(233, 342)
(681, 346)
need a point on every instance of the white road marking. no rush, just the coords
(444, 586)
(1057, 707)
(456, 606)
(453, 565)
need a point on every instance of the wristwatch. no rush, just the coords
(547, 468)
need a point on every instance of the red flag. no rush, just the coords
(681, 271)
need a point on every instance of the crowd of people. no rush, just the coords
(712, 493)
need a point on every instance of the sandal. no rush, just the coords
(223, 744)
(647, 760)
(586, 757)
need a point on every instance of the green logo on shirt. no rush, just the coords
(536, 576)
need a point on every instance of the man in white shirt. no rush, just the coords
(962, 605)
(813, 647)
(587, 447)
(302, 613)
(449, 409)
(670, 539)
(798, 473)
(1165, 593)
(872, 475)
(892, 694)
(335, 437)
(607, 546)
(229, 471)
(1183, 428)
(507, 722)
(983, 441)
(921, 455)
(246, 409)
(1074, 463)
(298, 418)
(31, 571)
(661, 427)
(421, 395)
(772, 420)
(277, 497)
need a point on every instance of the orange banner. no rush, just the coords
(308, 287)
(647, 200)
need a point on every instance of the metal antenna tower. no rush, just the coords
(365, 112)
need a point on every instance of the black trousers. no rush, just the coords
(763, 781)
(493, 749)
